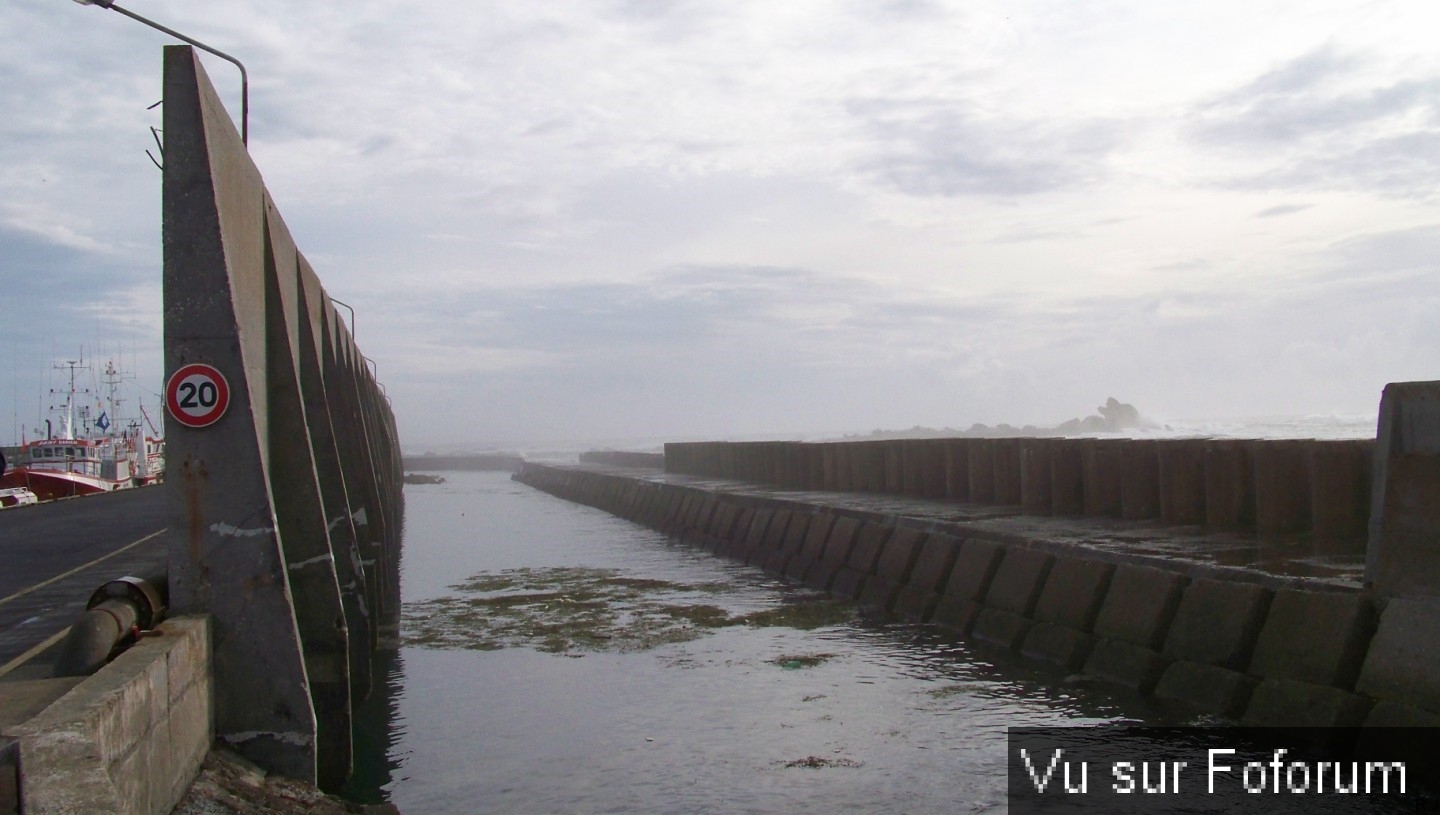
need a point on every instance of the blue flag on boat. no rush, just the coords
(103, 422)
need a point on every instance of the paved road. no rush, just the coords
(52, 556)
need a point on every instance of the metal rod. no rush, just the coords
(244, 77)
(352, 315)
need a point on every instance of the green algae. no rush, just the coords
(572, 610)
(792, 662)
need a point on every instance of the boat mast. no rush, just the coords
(67, 415)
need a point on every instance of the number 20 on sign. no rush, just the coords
(197, 395)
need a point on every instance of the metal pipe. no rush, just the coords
(116, 610)
(244, 77)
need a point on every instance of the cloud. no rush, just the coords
(944, 148)
(1330, 121)
(1281, 210)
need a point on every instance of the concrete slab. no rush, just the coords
(1074, 591)
(1282, 486)
(1230, 497)
(1000, 628)
(1125, 664)
(1403, 663)
(1058, 645)
(1139, 480)
(1007, 471)
(848, 583)
(817, 534)
(1288, 703)
(1341, 489)
(1139, 605)
(957, 469)
(898, 555)
(1017, 583)
(974, 568)
(1217, 623)
(1182, 481)
(981, 464)
(879, 593)
(1395, 714)
(1314, 637)
(778, 529)
(1035, 475)
(840, 540)
(759, 524)
(956, 614)
(1207, 688)
(933, 565)
(1067, 481)
(1100, 459)
(869, 542)
(915, 604)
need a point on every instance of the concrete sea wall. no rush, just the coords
(1266, 486)
(1260, 650)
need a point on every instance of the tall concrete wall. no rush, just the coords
(1404, 522)
(286, 511)
(1272, 488)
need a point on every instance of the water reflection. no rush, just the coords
(376, 752)
(859, 716)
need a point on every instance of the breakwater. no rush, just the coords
(1271, 487)
(1232, 639)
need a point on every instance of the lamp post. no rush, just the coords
(244, 78)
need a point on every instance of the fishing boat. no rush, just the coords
(16, 497)
(83, 456)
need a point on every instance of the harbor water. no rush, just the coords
(557, 659)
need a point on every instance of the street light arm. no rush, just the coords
(244, 77)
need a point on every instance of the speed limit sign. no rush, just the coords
(197, 395)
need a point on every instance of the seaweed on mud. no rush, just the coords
(818, 762)
(795, 661)
(806, 615)
(574, 609)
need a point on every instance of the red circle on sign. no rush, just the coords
(197, 395)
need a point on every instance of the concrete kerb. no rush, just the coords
(128, 739)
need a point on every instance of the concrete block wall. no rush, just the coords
(1273, 488)
(1276, 653)
(129, 739)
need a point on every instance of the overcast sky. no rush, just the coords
(608, 220)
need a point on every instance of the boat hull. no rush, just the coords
(48, 486)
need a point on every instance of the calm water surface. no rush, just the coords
(895, 719)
